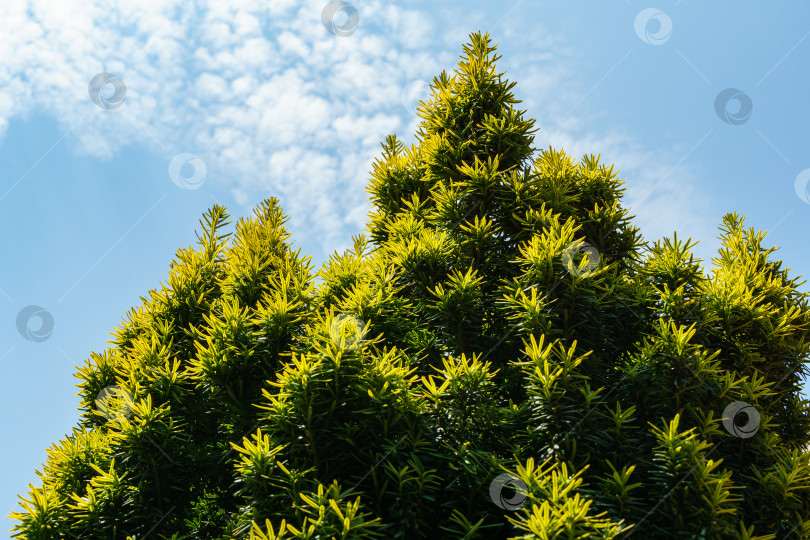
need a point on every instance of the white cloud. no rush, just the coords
(274, 103)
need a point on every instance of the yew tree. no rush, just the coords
(502, 355)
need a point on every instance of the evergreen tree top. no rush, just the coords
(502, 356)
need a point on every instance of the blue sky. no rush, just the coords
(258, 99)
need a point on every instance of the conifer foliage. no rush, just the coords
(502, 356)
